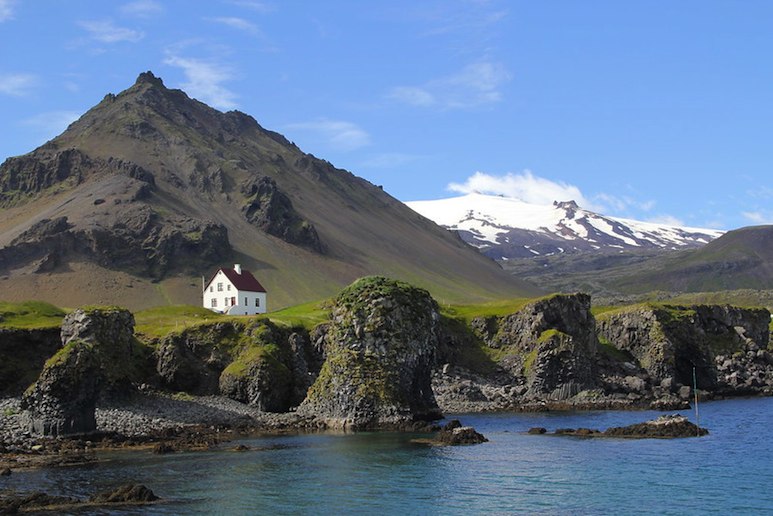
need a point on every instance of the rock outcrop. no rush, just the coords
(380, 348)
(254, 362)
(669, 342)
(550, 342)
(272, 211)
(99, 355)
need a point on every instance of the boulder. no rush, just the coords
(380, 348)
(454, 434)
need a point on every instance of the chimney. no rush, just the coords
(237, 268)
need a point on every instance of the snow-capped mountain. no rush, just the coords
(505, 228)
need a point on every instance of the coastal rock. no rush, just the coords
(672, 341)
(259, 375)
(551, 342)
(99, 354)
(127, 493)
(454, 434)
(380, 348)
(670, 426)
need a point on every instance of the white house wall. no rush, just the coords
(223, 292)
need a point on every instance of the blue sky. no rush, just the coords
(648, 109)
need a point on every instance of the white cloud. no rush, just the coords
(622, 204)
(476, 84)
(757, 217)
(17, 84)
(142, 9)
(339, 134)
(52, 123)
(106, 31)
(6, 10)
(205, 81)
(524, 186)
(237, 23)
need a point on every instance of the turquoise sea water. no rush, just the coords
(728, 472)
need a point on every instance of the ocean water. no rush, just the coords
(728, 472)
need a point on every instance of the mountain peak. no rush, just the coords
(566, 205)
(149, 78)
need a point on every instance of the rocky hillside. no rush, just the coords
(150, 190)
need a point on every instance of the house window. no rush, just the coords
(245, 301)
(228, 287)
(233, 301)
(225, 301)
(211, 288)
(214, 303)
(219, 287)
(257, 301)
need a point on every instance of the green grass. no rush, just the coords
(162, 320)
(491, 309)
(307, 315)
(30, 315)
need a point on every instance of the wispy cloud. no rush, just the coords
(52, 123)
(238, 23)
(106, 31)
(338, 134)
(758, 217)
(255, 5)
(17, 84)
(205, 80)
(622, 204)
(142, 9)
(6, 9)
(475, 85)
(524, 186)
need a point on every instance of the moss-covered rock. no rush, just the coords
(380, 348)
(99, 356)
(670, 341)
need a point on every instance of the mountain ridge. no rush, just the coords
(128, 193)
(507, 228)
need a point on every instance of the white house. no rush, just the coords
(234, 292)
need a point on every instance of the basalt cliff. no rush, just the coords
(390, 357)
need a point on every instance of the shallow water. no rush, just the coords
(727, 472)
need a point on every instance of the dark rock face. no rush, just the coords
(27, 175)
(271, 210)
(192, 360)
(24, 353)
(256, 363)
(98, 354)
(551, 342)
(259, 374)
(139, 240)
(669, 341)
(380, 348)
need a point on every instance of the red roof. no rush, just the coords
(244, 281)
